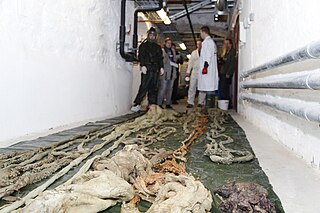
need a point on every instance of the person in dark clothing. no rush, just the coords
(176, 81)
(151, 63)
(227, 62)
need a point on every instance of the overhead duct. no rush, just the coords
(307, 110)
(298, 80)
(310, 51)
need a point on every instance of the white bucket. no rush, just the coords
(223, 104)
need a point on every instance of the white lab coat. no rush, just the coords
(209, 81)
(194, 64)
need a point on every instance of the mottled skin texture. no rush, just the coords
(244, 197)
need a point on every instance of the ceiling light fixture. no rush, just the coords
(182, 46)
(164, 17)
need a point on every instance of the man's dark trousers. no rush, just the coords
(225, 87)
(149, 84)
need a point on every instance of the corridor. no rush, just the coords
(159, 106)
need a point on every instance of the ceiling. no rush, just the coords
(201, 12)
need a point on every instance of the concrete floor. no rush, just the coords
(297, 184)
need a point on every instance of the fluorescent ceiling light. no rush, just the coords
(183, 46)
(164, 17)
(167, 21)
(162, 14)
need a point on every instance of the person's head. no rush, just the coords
(199, 44)
(152, 34)
(174, 46)
(204, 32)
(227, 44)
(168, 43)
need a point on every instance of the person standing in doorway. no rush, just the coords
(228, 59)
(179, 59)
(208, 76)
(151, 63)
(193, 72)
(170, 74)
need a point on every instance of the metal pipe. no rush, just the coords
(304, 109)
(135, 26)
(122, 35)
(298, 80)
(190, 23)
(131, 56)
(310, 51)
(192, 9)
(221, 5)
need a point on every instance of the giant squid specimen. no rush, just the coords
(217, 152)
(92, 192)
(182, 194)
(244, 197)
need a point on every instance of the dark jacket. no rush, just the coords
(170, 72)
(228, 62)
(150, 54)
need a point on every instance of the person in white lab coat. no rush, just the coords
(208, 76)
(193, 73)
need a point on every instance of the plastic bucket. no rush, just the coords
(223, 104)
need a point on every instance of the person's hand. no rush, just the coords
(204, 70)
(161, 71)
(144, 70)
(227, 76)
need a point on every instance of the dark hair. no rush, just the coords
(152, 29)
(230, 41)
(173, 44)
(205, 29)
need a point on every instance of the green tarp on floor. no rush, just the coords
(211, 175)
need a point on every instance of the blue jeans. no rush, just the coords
(165, 87)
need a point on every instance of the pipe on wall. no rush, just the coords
(128, 56)
(307, 110)
(131, 56)
(310, 51)
(135, 26)
(298, 80)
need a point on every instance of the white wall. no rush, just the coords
(280, 27)
(143, 27)
(59, 65)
